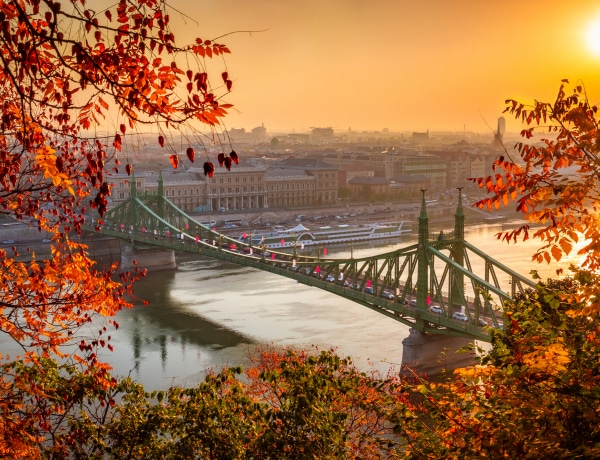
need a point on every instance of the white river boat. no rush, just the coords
(300, 236)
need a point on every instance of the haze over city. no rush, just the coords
(400, 65)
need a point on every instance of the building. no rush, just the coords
(349, 172)
(290, 188)
(429, 166)
(369, 188)
(498, 140)
(187, 190)
(325, 190)
(407, 186)
(243, 187)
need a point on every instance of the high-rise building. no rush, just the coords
(498, 141)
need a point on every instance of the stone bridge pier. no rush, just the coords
(432, 353)
(152, 259)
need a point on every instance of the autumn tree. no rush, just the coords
(288, 404)
(66, 70)
(536, 394)
(553, 177)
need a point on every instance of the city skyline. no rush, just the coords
(397, 65)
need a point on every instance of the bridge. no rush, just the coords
(423, 285)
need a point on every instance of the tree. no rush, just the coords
(65, 67)
(554, 183)
(288, 404)
(535, 396)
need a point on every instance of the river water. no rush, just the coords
(209, 313)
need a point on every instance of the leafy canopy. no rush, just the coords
(554, 181)
(66, 71)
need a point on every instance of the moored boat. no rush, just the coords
(300, 236)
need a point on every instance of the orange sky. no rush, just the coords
(405, 65)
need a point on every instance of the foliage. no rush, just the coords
(65, 70)
(65, 67)
(287, 405)
(537, 394)
(554, 183)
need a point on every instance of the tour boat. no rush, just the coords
(300, 236)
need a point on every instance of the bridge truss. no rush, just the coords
(403, 284)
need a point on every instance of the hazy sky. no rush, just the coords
(405, 65)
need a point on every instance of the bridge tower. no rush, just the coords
(457, 284)
(151, 258)
(422, 260)
(160, 192)
(425, 351)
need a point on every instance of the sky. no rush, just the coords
(404, 65)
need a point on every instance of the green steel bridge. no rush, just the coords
(403, 284)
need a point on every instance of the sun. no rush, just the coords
(593, 37)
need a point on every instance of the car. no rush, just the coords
(412, 303)
(460, 316)
(387, 295)
(7, 241)
(436, 309)
(482, 322)
(368, 290)
(330, 278)
(46, 240)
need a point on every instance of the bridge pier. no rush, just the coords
(429, 354)
(152, 259)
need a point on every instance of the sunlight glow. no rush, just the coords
(593, 37)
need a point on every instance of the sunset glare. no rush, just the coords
(401, 65)
(593, 37)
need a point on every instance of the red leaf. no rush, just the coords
(228, 83)
(122, 127)
(209, 169)
(108, 15)
(225, 76)
(161, 141)
(234, 156)
(228, 163)
(221, 158)
(117, 142)
(174, 161)
(129, 169)
(190, 153)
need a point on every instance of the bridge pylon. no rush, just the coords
(422, 263)
(457, 283)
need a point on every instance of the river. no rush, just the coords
(209, 313)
